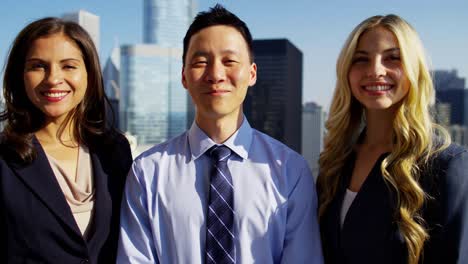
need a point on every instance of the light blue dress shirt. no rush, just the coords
(163, 218)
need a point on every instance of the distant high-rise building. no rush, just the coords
(166, 21)
(111, 74)
(274, 104)
(442, 114)
(89, 21)
(313, 128)
(153, 102)
(448, 80)
(458, 100)
(459, 134)
(451, 89)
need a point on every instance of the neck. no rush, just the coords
(379, 130)
(219, 129)
(50, 134)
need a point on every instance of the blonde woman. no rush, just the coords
(392, 187)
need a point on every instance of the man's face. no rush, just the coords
(218, 71)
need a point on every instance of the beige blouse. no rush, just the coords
(78, 189)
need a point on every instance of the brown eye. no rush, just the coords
(230, 62)
(69, 67)
(199, 63)
(37, 65)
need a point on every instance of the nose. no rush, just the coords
(54, 76)
(376, 68)
(215, 73)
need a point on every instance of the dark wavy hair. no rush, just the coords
(23, 119)
(217, 15)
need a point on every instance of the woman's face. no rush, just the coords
(55, 76)
(376, 75)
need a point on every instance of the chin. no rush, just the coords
(55, 113)
(379, 106)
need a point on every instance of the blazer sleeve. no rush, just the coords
(456, 192)
(115, 154)
(123, 152)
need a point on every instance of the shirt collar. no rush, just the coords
(239, 142)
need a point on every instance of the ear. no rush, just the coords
(184, 81)
(253, 74)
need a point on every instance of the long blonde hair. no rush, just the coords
(413, 131)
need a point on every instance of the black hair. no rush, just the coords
(23, 119)
(217, 15)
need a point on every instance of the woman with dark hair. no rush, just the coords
(62, 165)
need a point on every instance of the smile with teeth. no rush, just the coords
(378, 88)
(55, 94)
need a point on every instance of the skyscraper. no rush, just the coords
(313, 120)
(451, 89)
(459, 134)
(448, 80)
(274, 104)
(89, 21)
(442, 114)
(166, 21)
(153, 102)
(111, 76)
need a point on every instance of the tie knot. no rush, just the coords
(220, 153)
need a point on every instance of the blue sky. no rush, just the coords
(317, 28)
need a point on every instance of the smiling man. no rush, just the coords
(222, 192)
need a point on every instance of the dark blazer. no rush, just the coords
(36, 223)
(370, 233)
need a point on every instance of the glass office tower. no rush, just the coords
(153, 103)
(152, 100)
(166, 21)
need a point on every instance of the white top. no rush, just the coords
(347, 201)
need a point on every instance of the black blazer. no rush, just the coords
(36, 223)
(370, 233)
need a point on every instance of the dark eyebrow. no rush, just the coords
(33, 59)
(199, 54)
(61, 61)
(206, 54)
(70, 59)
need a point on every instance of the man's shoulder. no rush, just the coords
(279, 149)
(171, 148)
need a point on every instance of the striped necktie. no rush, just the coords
(220, 238)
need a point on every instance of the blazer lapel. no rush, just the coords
(332, 223)
(102, 200)
(40, 178)
(371, 212)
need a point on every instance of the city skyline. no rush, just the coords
(318, 30)
(152, 70)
